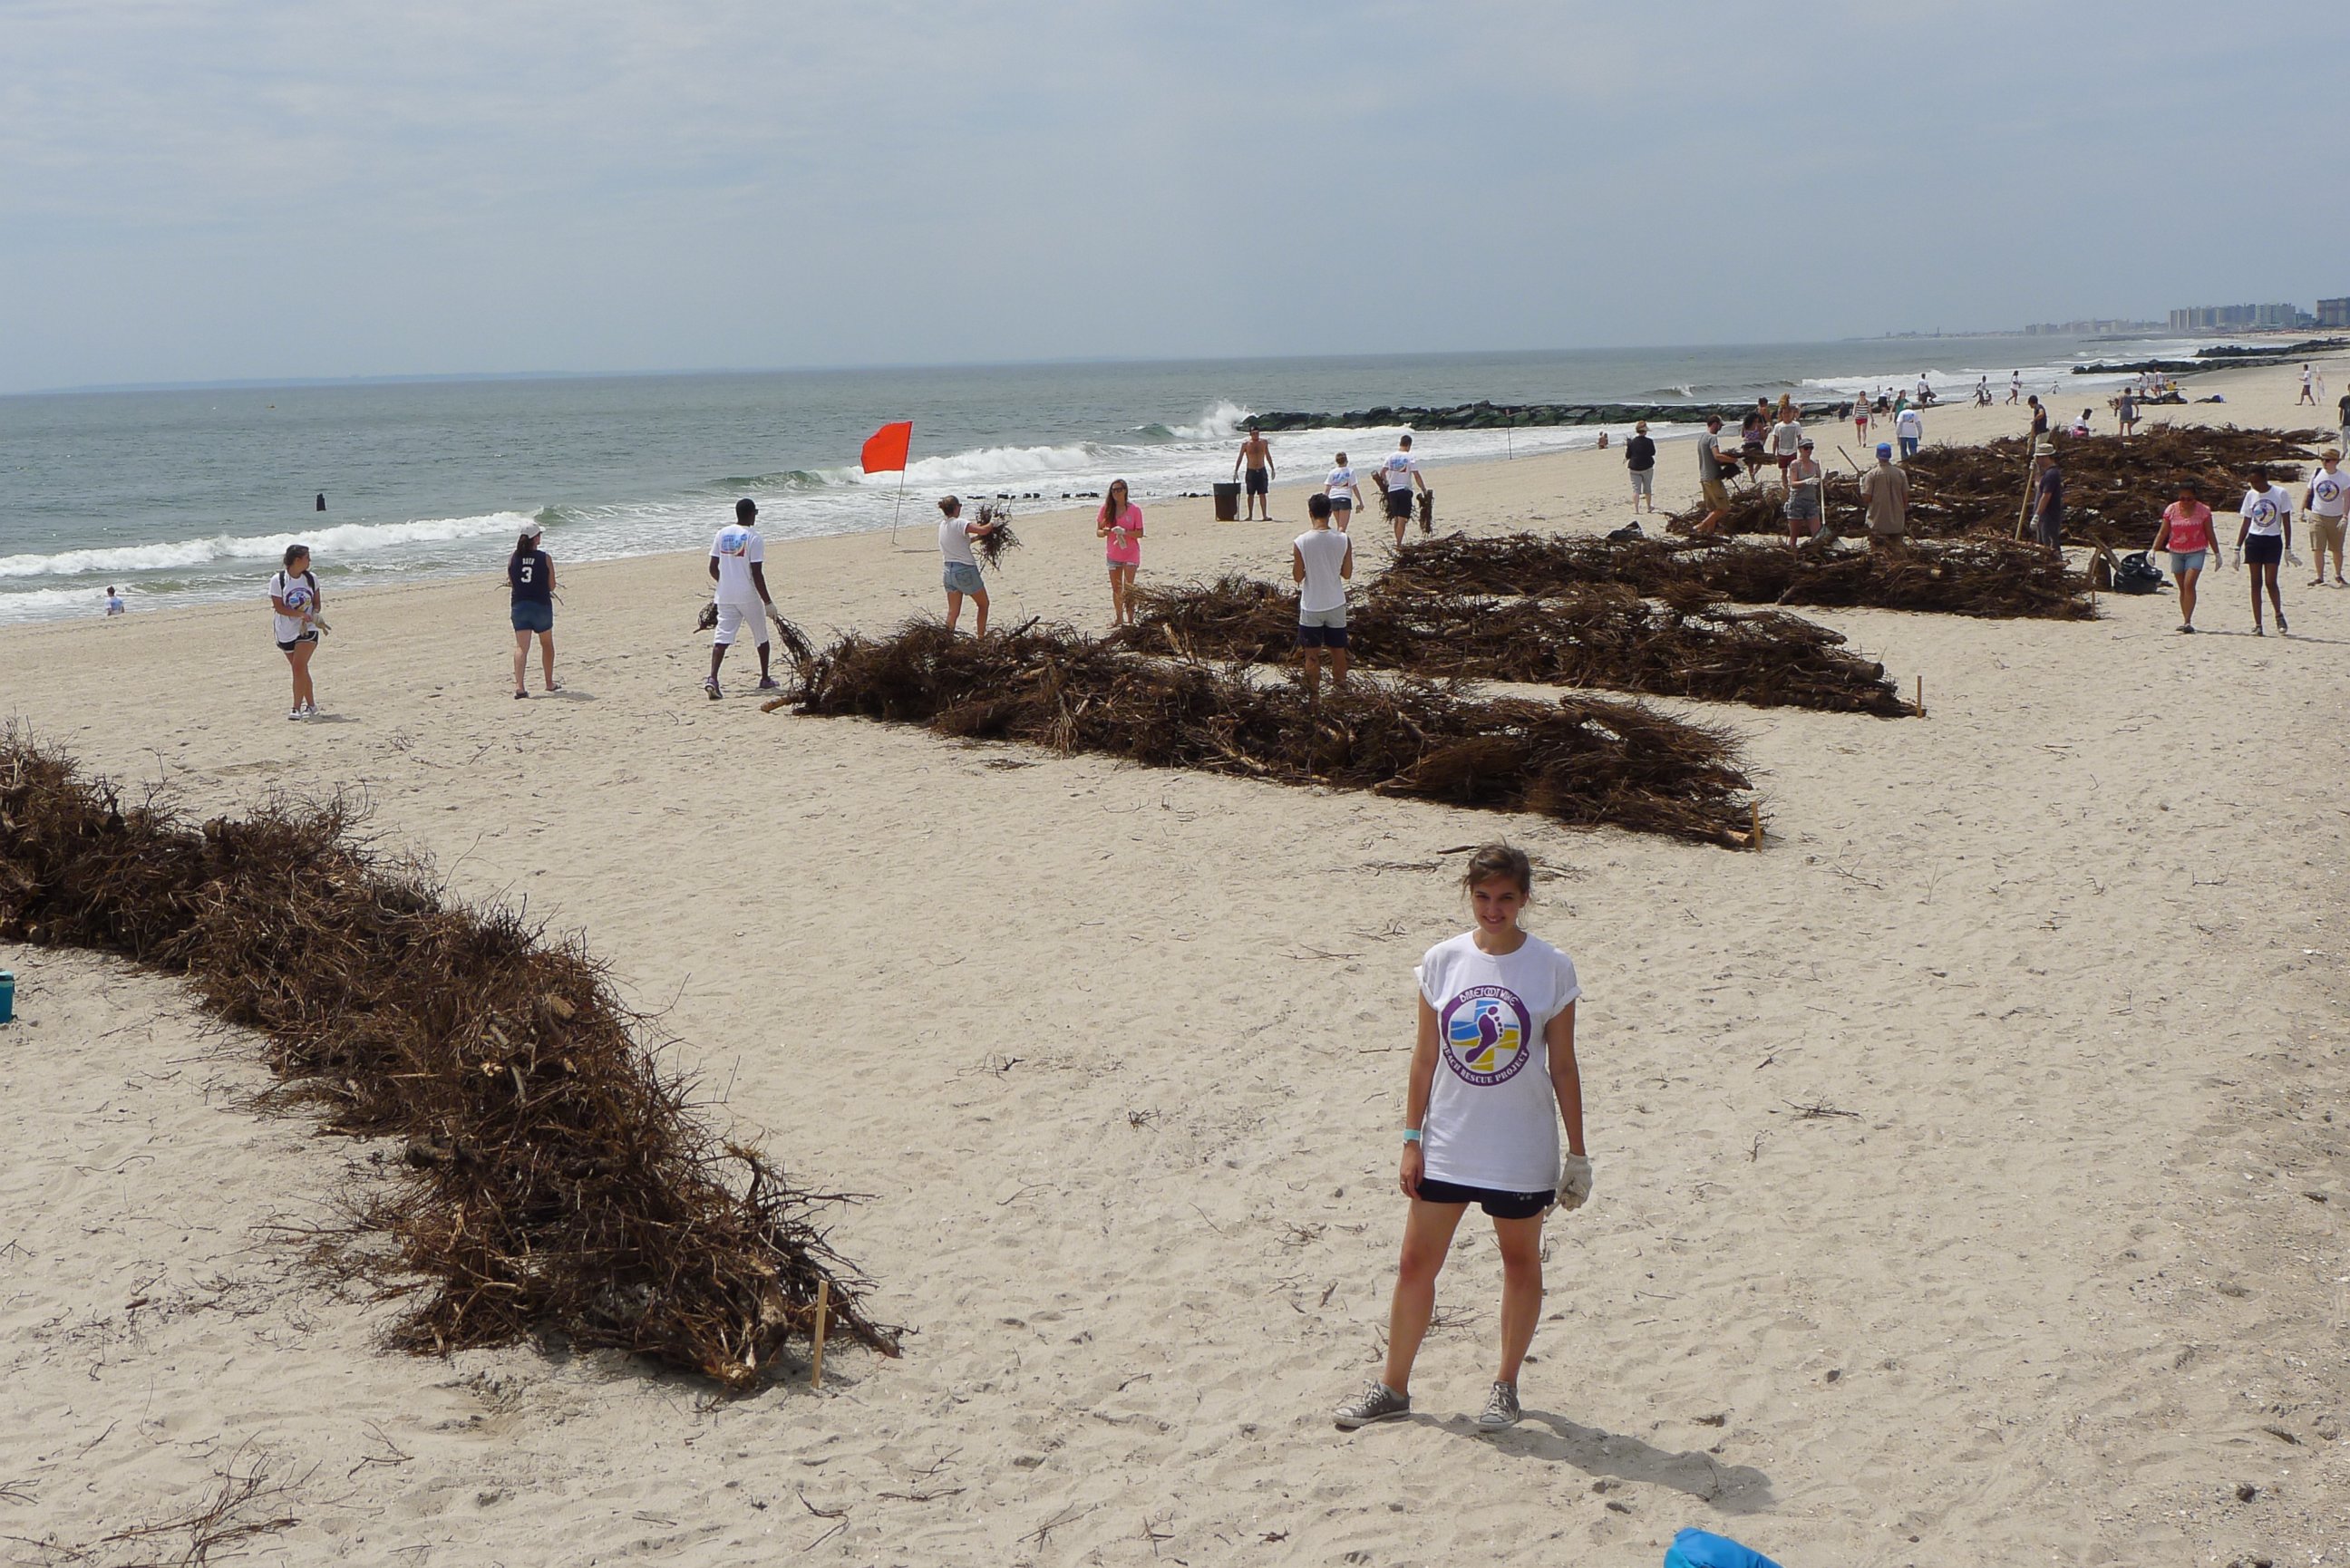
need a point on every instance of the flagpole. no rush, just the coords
(899, 507)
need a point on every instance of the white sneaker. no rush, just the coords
(294, 713)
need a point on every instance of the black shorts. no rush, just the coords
(1322, 636)
(1260, 481)
(2263, 549)
(1500, 1205)
(1399, 502)
(289, 646)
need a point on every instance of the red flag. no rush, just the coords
(885, 448)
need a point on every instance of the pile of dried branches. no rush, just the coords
(1987, 578)
(1581, 760)
(1597, 635)
(2115, 487)
(555, 1179)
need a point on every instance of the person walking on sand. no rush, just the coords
(1712, 483)
(1884, 496)
(961, 566)
(1346, 494)
(2262, 539)
(1255, 467)
(1803, 477)
(2342, 414)
(1861, 419)
(1492, 1075)
(530, 581)
(1322, 562)
(2126, 412)
(2307, 395)
(2328, 505)
(1397, 476)
(2185, 533)
(1118, 524)
(1910, 429)
(1982, 391)
(1786, 440)
(737, 566)
(2039, 418)
(1640, 462)
(295, 602)
(2014, 387)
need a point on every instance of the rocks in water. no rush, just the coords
(1486, 414)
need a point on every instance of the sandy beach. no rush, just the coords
(1971, 1167)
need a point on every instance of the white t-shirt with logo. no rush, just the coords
(738, 549)
(1396, 472)
(2266, 510)
(954, 543)
(1910, 426)
(1324, 551)
(1492, 1116)
(297, 591)
(1341, 483)
(2329, 493)
(1785, 438)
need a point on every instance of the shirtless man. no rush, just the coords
(1256, 456)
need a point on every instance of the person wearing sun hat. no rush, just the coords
(2328, 507)
(1803, 479)
(1884, 495)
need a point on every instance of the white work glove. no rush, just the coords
(2290, 559)
(1574, 1182)
(2236, 558)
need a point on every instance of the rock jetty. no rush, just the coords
(1490, 416)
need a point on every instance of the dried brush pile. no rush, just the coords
(2115, 487)
(1986, 578)
(555, 1180)
(1581, 760)
(1599, 635)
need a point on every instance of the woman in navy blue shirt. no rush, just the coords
(530, 573)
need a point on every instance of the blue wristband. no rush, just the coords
(1411, 1134)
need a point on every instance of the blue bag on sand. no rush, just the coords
(1700, 1549)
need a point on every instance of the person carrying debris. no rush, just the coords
(1397, 475)
(1712, 469)
(1885, 493)
(1803, 479)
(2047, 498)
(739, 579)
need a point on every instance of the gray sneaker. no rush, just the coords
(1377, 1402)
(1501, 1408)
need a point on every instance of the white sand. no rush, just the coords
(1119, 1055)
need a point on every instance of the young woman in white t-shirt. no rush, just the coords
(1493, 1075)
(961, 566)
(294, 603)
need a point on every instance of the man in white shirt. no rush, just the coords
(737, 567)
(1321, 562)
(2016, 385)
(2328, 508)
(1397, 475)
(2307, 395)
(114, 605)
(1910, 429)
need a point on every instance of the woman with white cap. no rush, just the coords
(530, 574)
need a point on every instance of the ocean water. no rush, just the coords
(194, 494)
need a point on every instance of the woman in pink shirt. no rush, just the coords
(1119, 525)
(2185, 533)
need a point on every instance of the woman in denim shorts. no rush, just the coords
(962, 576)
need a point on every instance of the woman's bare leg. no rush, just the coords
(1427, 1237)
(547, 659)
(1522, 1291)
(521, 659)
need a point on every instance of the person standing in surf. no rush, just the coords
(738, 570)
(1492, 1075)
(295, 603)
(1119, 526)
(530, 577)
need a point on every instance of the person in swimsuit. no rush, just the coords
(1256, 454)
(1492, 1075)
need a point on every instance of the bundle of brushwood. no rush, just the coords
(992, 545)
(1993, 578)
(1581, 760)
(553, 1181)
(1761, 508)
(2115, 486)
(1596, 635)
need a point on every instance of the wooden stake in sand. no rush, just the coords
(1921, 696)
(822, 1311)
(1755, 806)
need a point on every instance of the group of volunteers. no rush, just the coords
(1397, 476)
(2263, 537)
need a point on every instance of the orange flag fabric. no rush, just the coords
(886, 449)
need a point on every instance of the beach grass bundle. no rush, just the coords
(1600, 634)
(555, 1180)
(1992, 578)
(990, 546)
(1583, 761)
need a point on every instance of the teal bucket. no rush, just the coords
(8, 996)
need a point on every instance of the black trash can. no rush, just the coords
(1228, 503)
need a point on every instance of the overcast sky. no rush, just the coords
(219, 188)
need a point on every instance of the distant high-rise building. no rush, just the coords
(2334, 313)
(2239, 318)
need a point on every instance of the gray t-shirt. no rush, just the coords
(1708, 455)
(1887, 491)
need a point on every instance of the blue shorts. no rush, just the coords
(2188, 560)
(963, 577)
(1500, 1205)
(533, 615)
(1322, 628)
